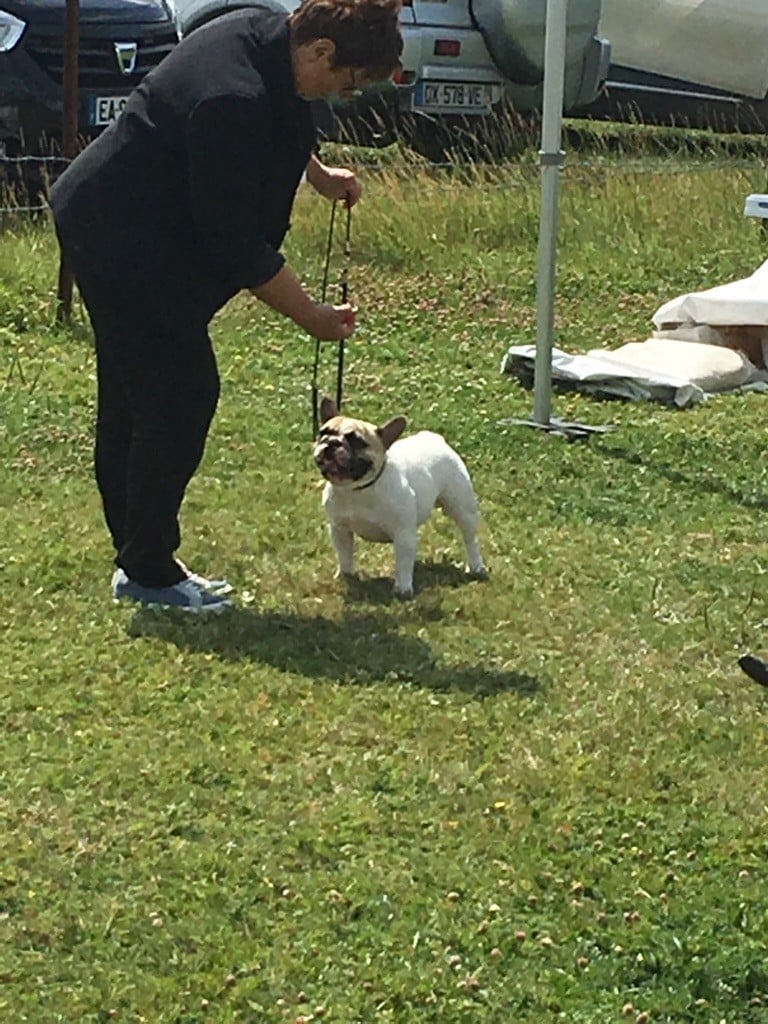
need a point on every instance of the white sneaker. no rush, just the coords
(187, 595)
(212, 586)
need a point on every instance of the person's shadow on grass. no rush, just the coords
(361, 650)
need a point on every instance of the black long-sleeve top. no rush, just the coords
(187, 197)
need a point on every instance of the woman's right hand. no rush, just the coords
(331, 323)
(285, 294)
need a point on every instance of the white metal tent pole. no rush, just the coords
(551, 159)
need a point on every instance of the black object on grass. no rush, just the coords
(754, 668)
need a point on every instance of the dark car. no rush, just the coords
(120, 41)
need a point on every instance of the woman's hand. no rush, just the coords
(285, 294)
(334, 182)
(331, 323)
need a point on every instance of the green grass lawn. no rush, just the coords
(539, 798)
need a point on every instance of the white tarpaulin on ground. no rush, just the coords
(706, 343)
(594, 374)
(642, 371)
(719, 43)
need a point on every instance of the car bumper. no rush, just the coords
(31, 96)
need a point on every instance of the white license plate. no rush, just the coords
(106, 109)
(468, 97)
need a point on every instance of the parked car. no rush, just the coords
(702, 64)
(120, 41)
(467, 62)
(462, 60)
(640, 97)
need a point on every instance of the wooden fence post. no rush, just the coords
(69, 137)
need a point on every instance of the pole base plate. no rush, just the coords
(562, 428)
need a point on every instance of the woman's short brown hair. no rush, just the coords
(366, 33)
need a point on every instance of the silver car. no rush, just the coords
(462, 58)
(462, 61)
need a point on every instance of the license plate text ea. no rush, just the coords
(106, 109)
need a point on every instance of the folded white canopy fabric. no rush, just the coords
(740, 302)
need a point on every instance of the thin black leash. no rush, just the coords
(344, 283)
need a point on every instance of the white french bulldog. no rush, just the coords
(382, 489)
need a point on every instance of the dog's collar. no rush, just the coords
(370, 483)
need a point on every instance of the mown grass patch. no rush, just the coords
(539, 798)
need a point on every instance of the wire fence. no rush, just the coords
(26, 179)
(25, 182)
(451, 177)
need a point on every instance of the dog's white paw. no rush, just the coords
(478, 572)
(403, 593)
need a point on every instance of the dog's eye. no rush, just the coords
(355, 441)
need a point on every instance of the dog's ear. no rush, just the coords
(327, 409)
(390, 432)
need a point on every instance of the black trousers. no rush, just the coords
(157, 390)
